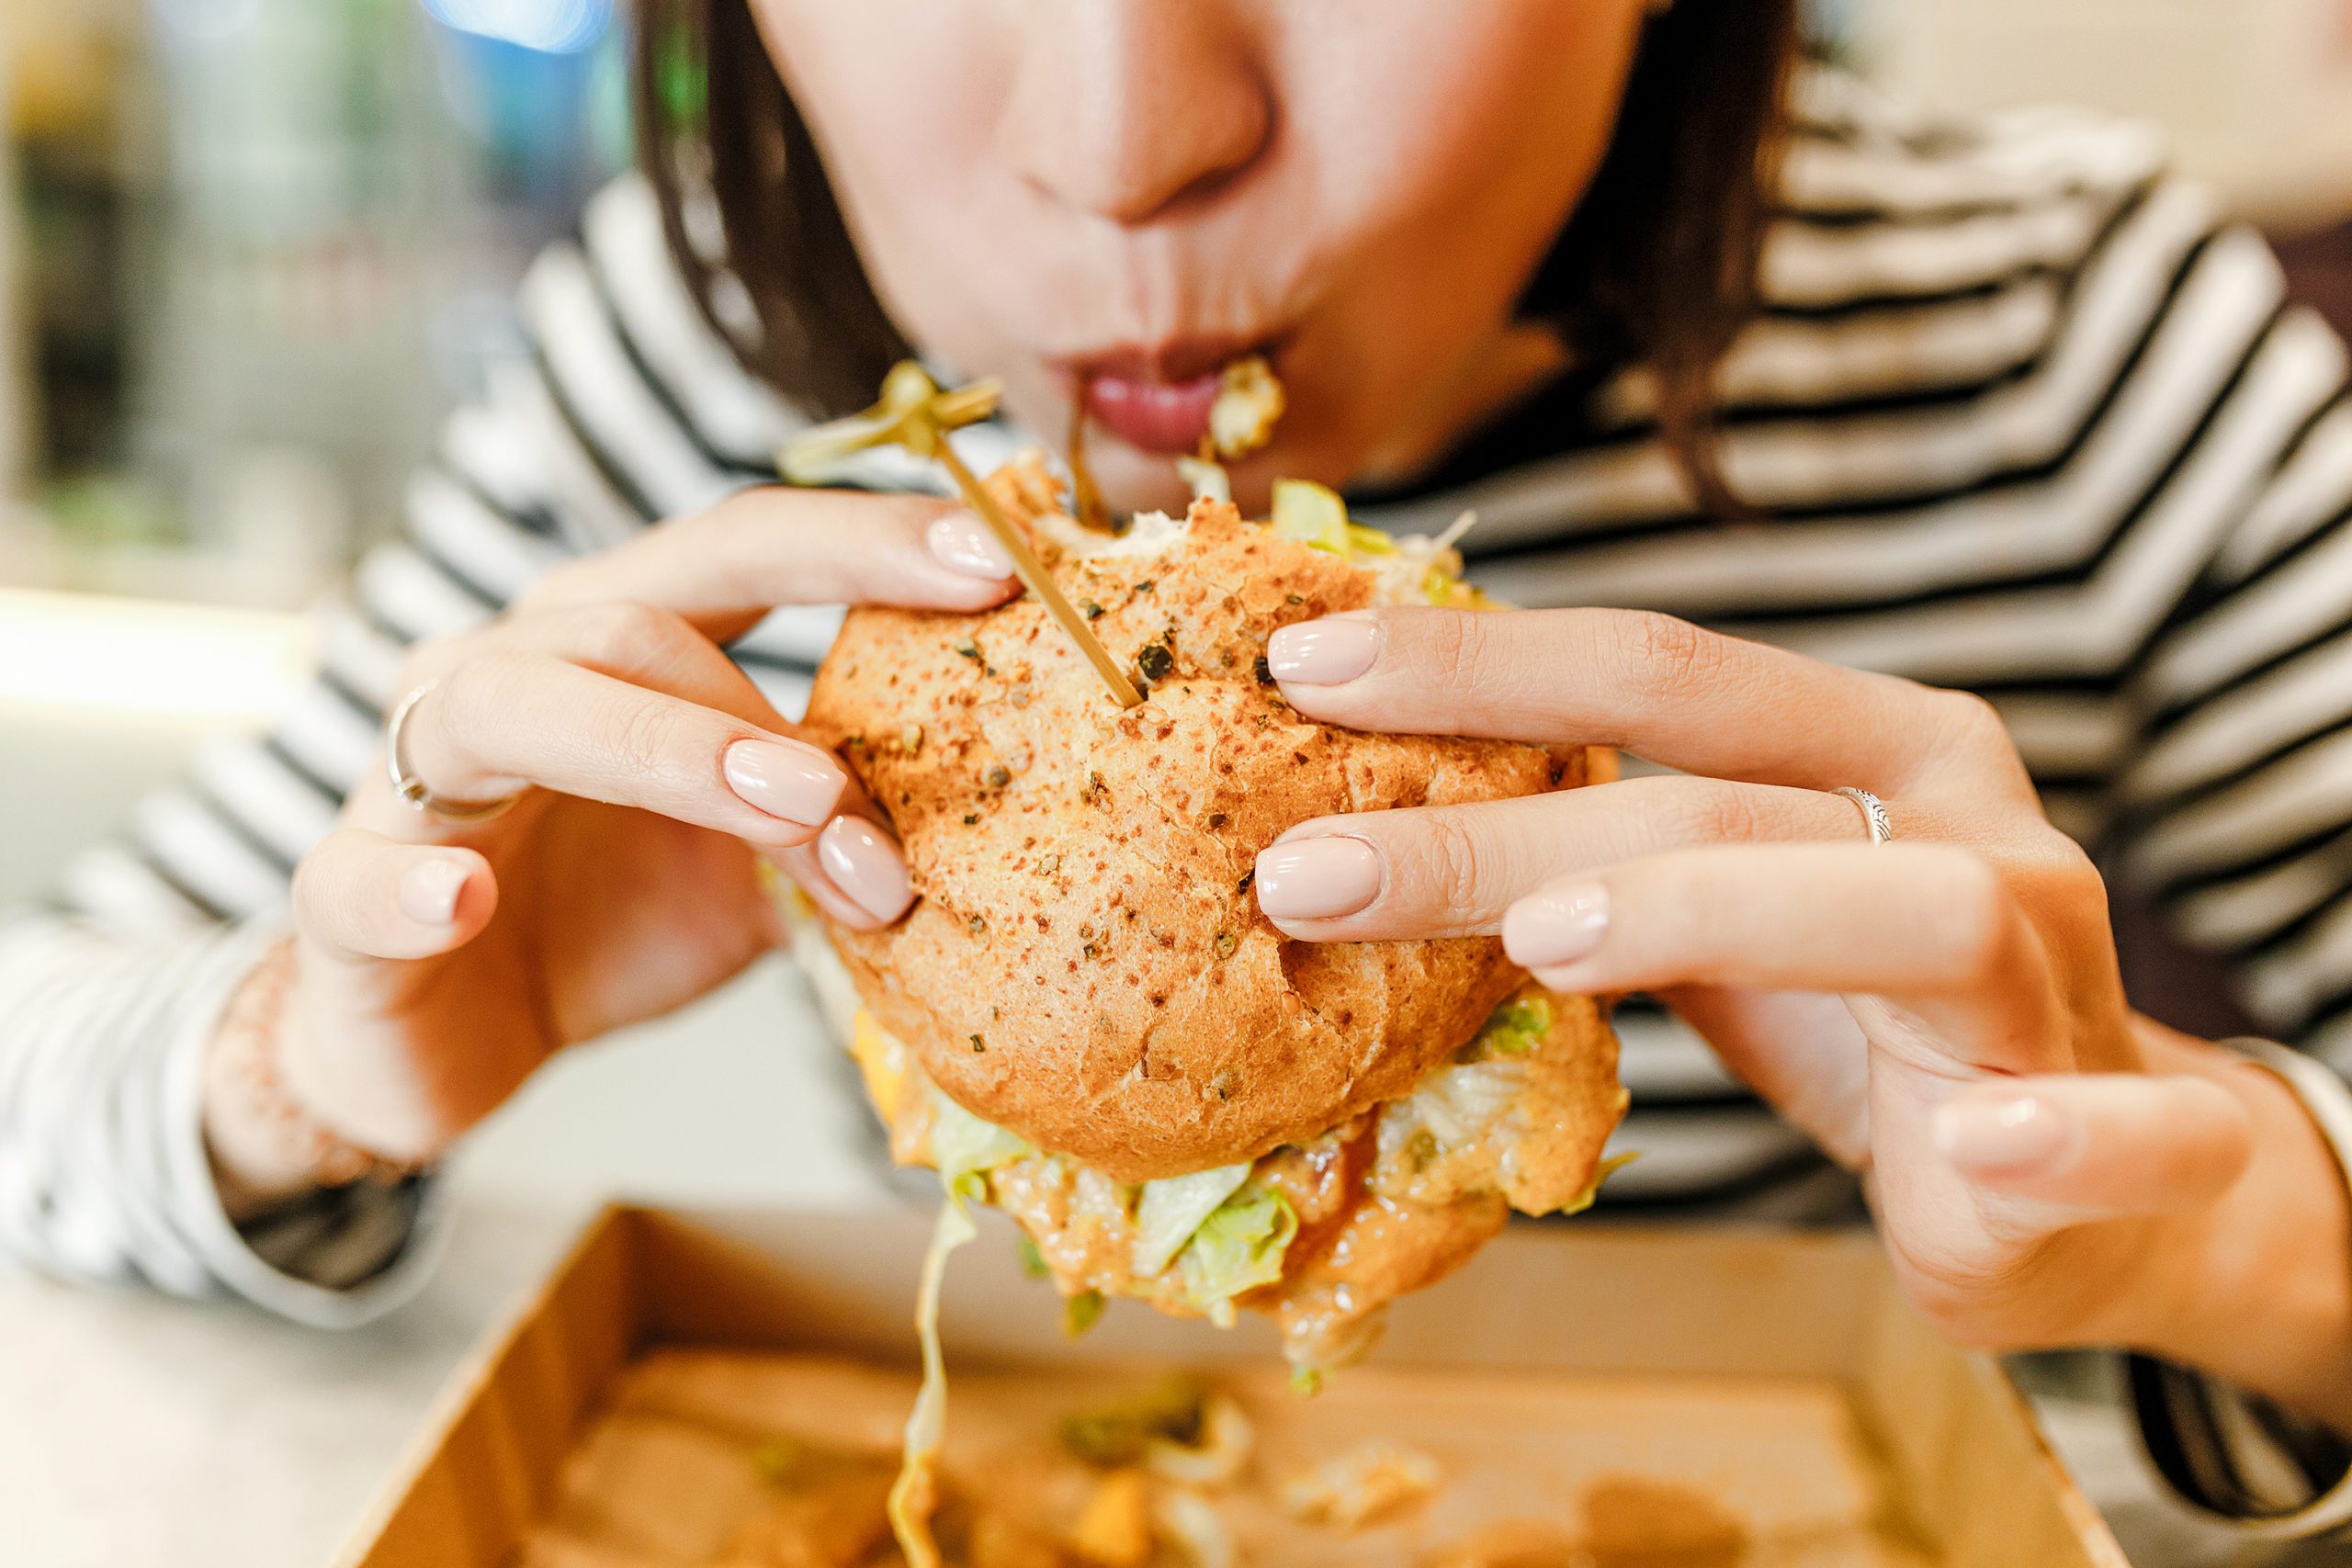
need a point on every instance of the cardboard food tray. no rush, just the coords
(1680, 1330)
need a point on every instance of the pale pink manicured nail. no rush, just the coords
(964, 542)
(1558, 925)
(1323, 653)
(864, 863)
(2003, 1133)
(1317, 879)
(429, 890)
(785, 779)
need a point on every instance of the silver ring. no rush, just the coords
(1874, 813)
(408, 787)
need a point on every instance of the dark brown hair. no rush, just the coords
(1658, 265)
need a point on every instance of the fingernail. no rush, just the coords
(1317, 879)
(1323, 653)
(964, 542)
(1558, 925)
(429, 890)
(784, 779)
(864, 863)
(2012, 1132)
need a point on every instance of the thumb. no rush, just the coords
(360, 896)
(2068, 1148)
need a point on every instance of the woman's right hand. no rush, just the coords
(436, 964)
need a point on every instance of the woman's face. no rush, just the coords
(1130, 194)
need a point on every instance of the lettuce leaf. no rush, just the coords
(1316, 515)
(962, 1144)
(1516, 1028)
(1305, 510)
(1238, 1248)
(1172, 1210)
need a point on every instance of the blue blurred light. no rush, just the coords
(548, 27)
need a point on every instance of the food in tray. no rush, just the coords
(712, 1459)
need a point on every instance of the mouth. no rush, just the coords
(1157, 397)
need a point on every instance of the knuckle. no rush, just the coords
(1450, 860)
(623, 633)
(1672, 656)
(1725, 813)
(2062, 883)
(1973, 724)
(647, 739)
(1452, 644)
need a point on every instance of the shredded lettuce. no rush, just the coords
(1304, 509)
(1172, 1210)
(1516, 1028)
(962, 1144)
(1314, 513)
(1607, 1168)
(1238, 1248)
(1080, 1312)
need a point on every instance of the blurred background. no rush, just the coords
(250, 249)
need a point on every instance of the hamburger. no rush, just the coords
(1085, 1022)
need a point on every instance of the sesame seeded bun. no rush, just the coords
(1086, 964)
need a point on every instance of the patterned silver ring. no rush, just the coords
(1874, 813)
(408, 787)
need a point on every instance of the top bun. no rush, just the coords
(1086, 965)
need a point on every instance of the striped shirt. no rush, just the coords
(2019, 415)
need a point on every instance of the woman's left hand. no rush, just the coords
(1942, 1011)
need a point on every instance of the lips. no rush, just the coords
(1156, 416)
(1158, 399)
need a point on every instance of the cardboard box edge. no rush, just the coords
(461, 1389)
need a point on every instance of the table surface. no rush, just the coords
(136, 1430)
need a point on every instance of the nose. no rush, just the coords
(1122, 109)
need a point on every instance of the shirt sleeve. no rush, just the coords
(628, 408)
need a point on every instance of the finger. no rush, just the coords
(2076, 1148)
(1930, 928)
(1658, 687)
(855, 870)
(630, 640)
(360, 897)
(1453, 870)
(725, 568)
(506, 721)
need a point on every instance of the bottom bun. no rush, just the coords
(1321, 1235)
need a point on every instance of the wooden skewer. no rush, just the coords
(915, 414)
(1034, 576)
(1085, 500)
